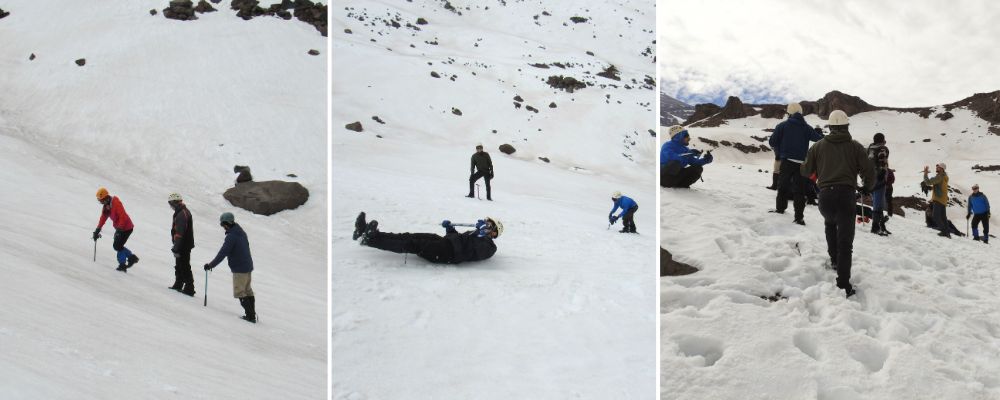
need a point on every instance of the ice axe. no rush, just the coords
(206, 288)
(95, 250)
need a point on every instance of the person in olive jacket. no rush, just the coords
(481, 166)
(182, 237)
(236, 248)
(452, 248)
(837, 161)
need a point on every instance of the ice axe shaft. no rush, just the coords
(206, 288)
(95, 250)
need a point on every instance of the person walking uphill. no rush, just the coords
(628, 207)
(979, 206)
(838, 160)
(680, 167)
(790, 142)
(236, 248)
(111, 207)
(452, 248)
(939, 197)
(182, 237)
(481, 166)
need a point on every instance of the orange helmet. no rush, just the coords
(102, 193)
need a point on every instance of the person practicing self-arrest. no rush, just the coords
(481, 166)
(112, 208)
(680, 166)
(236, 248)
(979, 211)
(452, 248)
(790, 141)
(627, 215)
(838, 160)
(182, 237)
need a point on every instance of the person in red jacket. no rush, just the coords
(112, 208)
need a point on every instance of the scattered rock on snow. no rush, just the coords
(181, 10)
(578, 20)
(204, 7)
(313, 52)
(152, 12)
(456, 111)
(552, 105)
(377, 119)
(267, 198)
(507, 149)
(3, 13)
(669, 267)
(31, 57)
(567, 83)
(81, 62)
(945, 115)
(546, 159)
(435, 74)
(421, 21)
(611, 72)
(354, 126)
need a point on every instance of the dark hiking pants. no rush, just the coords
(628, 220)
(182, 267)
(940, 217)
(836, 204)
(433, 248)
(119, 245)
(976, 219)
(475, 177)
(683, 178)
(791, 182)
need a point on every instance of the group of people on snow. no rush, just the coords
(832, 167)
(235, 248)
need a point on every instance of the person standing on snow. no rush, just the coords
(790, 142)
(481, 166)
(182, 237)
(236, 248)
(939, 197)
(979, 206)
(112, 208)
(680, 166)
(878, 153)
(452, 248)
(837, 161)
(629, 207)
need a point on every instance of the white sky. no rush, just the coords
(890, 53)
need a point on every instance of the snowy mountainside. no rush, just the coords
(566, 306)
(673, 111)
(159, 106)
(923, 321)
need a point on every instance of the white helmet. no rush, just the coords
(794, 108)
(838, 117)
(616, 195)
(497, 226)
(674, 130)
(942, 165)
(174, 197)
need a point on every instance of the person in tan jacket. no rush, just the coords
(837, 161)
(939, 197)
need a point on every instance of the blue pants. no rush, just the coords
(119, 245)
(878, 202)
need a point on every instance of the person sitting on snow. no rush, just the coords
(452, 248)
(629, 207)
(979, 206)
(680, 166)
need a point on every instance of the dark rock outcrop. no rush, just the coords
(669, 267)
(567, 83)
(611, 72)
(984, 105)
(507, 149)
(204, 7)
(837, 100)
(944, 116)
(181, 10)
(268, 197)
(244, 173)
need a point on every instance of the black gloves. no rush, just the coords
(612, 219)
(208, 267)
(97, 233)
(445, 224)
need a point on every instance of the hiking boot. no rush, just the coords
(188, 289)
(177, 286)
(369, 231)
(624, 230)
(800, 221)
(849, 291)
(359, 226)
(469, 195)
(976, 238)
(945, 235)
(249, 309)
(132, 259)
(122, 268)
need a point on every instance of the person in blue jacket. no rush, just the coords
(236, 248)
(790, 142)
(680, 166)
(628, 207)
(979, 206)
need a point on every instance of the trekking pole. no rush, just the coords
(95, 250)
(477, 192)
(206, 288)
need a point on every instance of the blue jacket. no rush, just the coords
(979, 204)
(675, 150)
(237, 249)
(790, 140)
(624, 203)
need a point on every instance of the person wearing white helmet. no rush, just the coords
(790, 141)
(681, 166)
(628, 207)
(837, 161)
(939, 197)
(452, 248)
(182, 237)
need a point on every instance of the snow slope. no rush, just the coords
(566, 308)
(160, 106)
(923, 324)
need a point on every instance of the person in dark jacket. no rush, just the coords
(979, 210)
(182, 237)
(236, 248)
(837, 161)
(112, 208)
(628, 207)
(878, 153)
(452, 248)
(680, 166)
(481, 166)
(790, 141)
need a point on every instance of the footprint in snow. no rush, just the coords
(807, 343)
(703, 350)
(870, 354)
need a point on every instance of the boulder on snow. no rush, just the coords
(3, 13)
(354, 126)
(181, 10)
(313, 52)
(152, 12)
(244, 174)
(669, 267)
(507, 149)
(204, 7)
(31, 57)
(81, 62)
(268, 197)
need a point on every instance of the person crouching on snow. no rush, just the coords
(680, 166)
(452, 248)
(628, 207)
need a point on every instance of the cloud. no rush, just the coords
(913, 53)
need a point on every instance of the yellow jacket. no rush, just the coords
(940, 185)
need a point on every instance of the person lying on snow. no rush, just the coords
(452, 248)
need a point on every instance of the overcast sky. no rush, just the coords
(890, 53)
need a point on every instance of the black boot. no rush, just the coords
(359, 226)
(188, 289)
(132, 259)
(248, 307)
(774, 182)
(122, 268)
(177, 285)
(369, 231)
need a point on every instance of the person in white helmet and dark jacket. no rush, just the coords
(182, 237)
(236, 248)
(452, 248)
(838, 160)
(790, 141)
